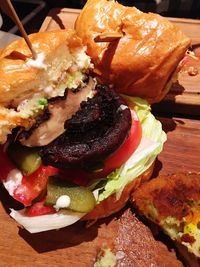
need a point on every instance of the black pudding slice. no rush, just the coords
(96, 131)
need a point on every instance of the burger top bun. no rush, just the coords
(140, 63)
(61, 63)
(21, 76)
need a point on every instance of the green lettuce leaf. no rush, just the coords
(153, 138)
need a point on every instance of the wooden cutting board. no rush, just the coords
(184, 96)
(75, 245)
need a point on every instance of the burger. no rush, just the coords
(71, 147)
(143, 60)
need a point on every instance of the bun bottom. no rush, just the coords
(112, 204)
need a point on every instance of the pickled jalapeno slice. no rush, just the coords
(81, 198)
(26, 159)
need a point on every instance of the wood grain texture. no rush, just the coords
(76, 245)
(182, 149)
(184, 96)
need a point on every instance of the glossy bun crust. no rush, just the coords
(116, 202)
(17, 79)
(20, 80)
(141, 62)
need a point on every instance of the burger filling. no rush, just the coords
(49, 125)
(106, 144)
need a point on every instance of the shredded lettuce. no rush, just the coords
(153, 138)
(42, 103)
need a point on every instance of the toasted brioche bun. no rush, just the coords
(142, 61)
(17, 78)
(22, 78)
(114, 203)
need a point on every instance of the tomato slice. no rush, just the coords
(123, 153)
(39, 208)
(78, 176)
(30, 186)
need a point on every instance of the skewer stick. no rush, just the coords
(108, 37)
(15, 18)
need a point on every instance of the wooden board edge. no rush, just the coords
(77, 11)
(52, 13)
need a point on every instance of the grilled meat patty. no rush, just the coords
(92, 134)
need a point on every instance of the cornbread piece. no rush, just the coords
(173, 202)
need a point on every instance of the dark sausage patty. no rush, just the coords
(92, 134)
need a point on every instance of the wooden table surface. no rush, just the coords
(61, 248)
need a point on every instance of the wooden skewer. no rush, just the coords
(108, 37)
(13, 15)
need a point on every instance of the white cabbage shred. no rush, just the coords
(36, 224)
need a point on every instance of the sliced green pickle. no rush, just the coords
(26, 159)
(81, 198)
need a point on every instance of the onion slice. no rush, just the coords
(36, 224)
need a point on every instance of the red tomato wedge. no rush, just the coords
(33, 185)
(30, 186)
(39, 208)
